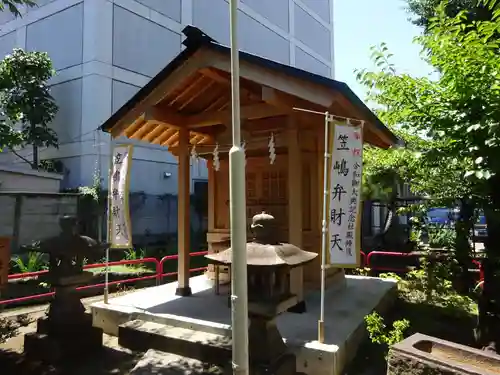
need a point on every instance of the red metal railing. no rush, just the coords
(480, 267)
(362, 262)
(366, 261)
(158, 275)
(388, 254)
(176, 257)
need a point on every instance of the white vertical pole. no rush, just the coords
(239, 297)
(99, 165)
(108, 212)
(321, 332)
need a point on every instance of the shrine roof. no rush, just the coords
(156, 112)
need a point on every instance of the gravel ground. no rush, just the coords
(113, 359)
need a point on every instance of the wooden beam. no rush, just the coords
(296, 87)
(132, 128)
(250, 112)
(145, 128)
(164, 136)
(196, 95)
(226, 81)
(278, 98)
(160, 128)
(164, 115)
(187, 89)
(198, 61)
(183, 211)
(216, 76)
(172, 140)
(295, 202)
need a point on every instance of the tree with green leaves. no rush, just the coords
(26, 104)
(425, 10)
(12, 5)
(459, 115)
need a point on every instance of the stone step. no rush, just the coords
(161, 363)
(140, 335)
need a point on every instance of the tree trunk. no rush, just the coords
(488, 327)
(463, 228)
(35, 163)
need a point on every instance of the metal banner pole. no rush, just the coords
(108, 213)
(321, 322)
(238, 217)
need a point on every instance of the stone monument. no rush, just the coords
(269, 264)
(66, 333)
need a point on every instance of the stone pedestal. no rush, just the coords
(218, 241)
(59, 343)
(66, 334)
(268, 353)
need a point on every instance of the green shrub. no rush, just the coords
(32, 262)
(381, 335)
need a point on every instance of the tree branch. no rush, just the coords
(21, 157)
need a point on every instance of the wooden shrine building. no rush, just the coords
(188, 104)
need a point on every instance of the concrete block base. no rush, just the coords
(345, 309)
(43, 347)
(53, 343)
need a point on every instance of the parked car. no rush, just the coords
(480, 229)
(442, 216)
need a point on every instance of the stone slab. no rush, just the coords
(345, 310)
(426, 355)
(161, 363)
(141, 335)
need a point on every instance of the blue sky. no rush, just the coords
(360, 24)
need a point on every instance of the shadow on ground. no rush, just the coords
(109, 361)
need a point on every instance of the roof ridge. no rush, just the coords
(195, 37)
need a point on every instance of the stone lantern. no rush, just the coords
(269, 263)
(66, 333)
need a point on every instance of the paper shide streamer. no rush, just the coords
(272, 150)
(216, 157)
(243, 146)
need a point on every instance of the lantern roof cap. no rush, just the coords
(264, 250)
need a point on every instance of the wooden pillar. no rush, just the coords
(183, 210)
(295, 207)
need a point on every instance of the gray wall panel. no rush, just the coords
(140, 45)
(60, 35)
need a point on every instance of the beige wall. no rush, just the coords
(27, 180)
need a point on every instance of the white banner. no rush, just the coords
(120, 231)
(344, 179)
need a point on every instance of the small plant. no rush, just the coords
(360, 271)
(32, 263)
(379, 334)
(430, 285)
(133, 254)
(441, 237)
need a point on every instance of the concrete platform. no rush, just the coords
(204, 311)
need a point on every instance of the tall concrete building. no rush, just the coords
(105, 50)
